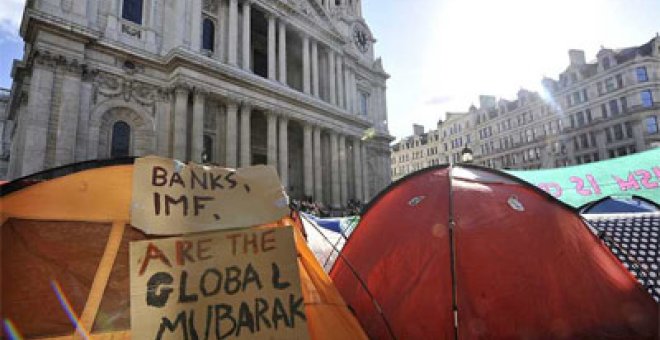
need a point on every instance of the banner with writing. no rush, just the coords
(239, 284)
(171, 198)
(636, 174)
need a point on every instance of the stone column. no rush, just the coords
(315, 69)
(306, 67)
(272, 139)
(340, 83)
(196, 25)
(180, 130)
(347, 89)
(365, 173)
(334, 161)
(331, 76)
(197, 138)
(272, 68)
(318, 169)
(284, 153)
(353, 94)
(163, 109)
(38, 113)
(246, 36)
(343, 169)
(230, 143)
(232, 49)
(357, 167)
(82, 135)
(308, 157)
(246, 112)
(220, 30)
(282, 51)
(69, 111)
(382, 108)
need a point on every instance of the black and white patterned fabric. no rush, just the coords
(635, 240)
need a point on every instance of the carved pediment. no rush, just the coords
(313, 11)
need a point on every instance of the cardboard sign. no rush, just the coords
(240, 284)
(171, 198)
(636, 174)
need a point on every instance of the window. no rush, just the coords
(652, 125)
(121, 139)
(208, 35)
(580, 119)
(619, 81)
(364, 101)
(207, 154)
(629, 130)
(609, 84)
(585, 97)
(599, 86)
(587, 112)
(624, 104)
(584, 141)
(606, 63)
(576, 97)
(642, 76)
(603, 109)
(614, 107)
(132, 11)
(618, 132)
(647, 98)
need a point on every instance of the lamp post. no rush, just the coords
(467, 155)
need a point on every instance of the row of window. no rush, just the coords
(616, 132)
(587, 158)
(585, 141)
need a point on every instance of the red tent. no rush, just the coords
(466, 252)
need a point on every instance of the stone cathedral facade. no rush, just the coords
(289, 83)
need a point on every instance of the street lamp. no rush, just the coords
(466, 155)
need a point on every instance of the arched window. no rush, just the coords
(208, 35)
(121, 139)
(132, 11)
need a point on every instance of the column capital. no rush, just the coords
(198, 91)
(181, 89)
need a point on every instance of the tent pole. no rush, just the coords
(452, 253)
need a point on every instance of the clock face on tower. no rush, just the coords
(361, 39)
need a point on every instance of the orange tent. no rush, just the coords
(65, 259)
(466, 252)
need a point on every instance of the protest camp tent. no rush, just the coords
(65, 241)
(467, 252)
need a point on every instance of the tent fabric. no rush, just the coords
(513, 261)
(616, 205)
(324, 243)
(635, 240)
(59, 228)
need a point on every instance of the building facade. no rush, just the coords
(289, 83)
(594, 111)
(5, 129)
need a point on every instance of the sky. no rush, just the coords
(442, 54)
